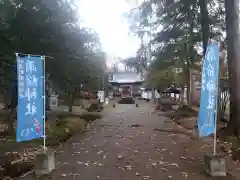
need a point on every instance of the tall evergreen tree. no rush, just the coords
(233, 55)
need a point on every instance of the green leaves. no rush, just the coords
(185, 29)
(135, 63)
(49, 28)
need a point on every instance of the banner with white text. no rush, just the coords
(30, 111)
(209, 91)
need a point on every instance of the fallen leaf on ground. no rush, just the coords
(99, 164)
(173, 164)
(128, 167)
(146, 177)
(161, 162)
(119, 156)
(184, 174)
(87, 164)
(79, 162)
(164, 169)
(135, 125)
(170, 177)
(123, 169)
(77, 153)
(64, 175)
(154, 164)
(137, 174)
(99, 152)
(183, 158)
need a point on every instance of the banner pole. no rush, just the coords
(215, 136)
(44, 106)
(216, 107)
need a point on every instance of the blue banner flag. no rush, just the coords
(209, 91)
(30, 109)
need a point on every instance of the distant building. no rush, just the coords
(122, 79)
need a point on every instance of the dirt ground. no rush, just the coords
(131, 143)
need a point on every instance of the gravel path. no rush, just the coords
(125, 145)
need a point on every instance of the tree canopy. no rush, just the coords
(51, 28)
(179, 31)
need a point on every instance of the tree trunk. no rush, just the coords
(189, 93)
(70, 101)
(190, 56)
(47, 100)
(233, 54)
(153, 96)
(204, 23)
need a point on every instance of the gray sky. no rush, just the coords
(106, 17)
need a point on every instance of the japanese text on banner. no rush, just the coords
(30, 99)
(209, 91)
